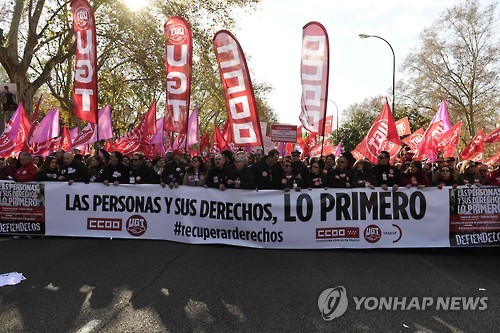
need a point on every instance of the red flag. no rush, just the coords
(414, 139)
(383, 135)
(65, 141)
(449, 140)
(87, 136)
(314, 69)
(34, 117)
(204, 142)
(178, 64)
(328, 125)
(147, 126)
(238, 90)
(403, 126)
(219, 144)
(493, 159)
(494, 136)
(85, 94)
(474, 148)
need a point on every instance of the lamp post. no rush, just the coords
(363, 36)
(337, 121)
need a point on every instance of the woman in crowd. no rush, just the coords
(196, 173)
(316, 177)
(444, 177)
(95, 169)
(362, 175)
(48, 171)
(467, 174)
(157, 170)
(38, 160)
(413, 176)
(291, 178)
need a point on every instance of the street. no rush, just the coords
(102, 285)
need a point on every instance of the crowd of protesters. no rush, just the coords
(248, 170)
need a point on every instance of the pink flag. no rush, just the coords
(105, 126)
(16, 131)
(179, 141)
(73, 133)
(158, 136)
(193, 136)
(449, 140)
(48, 128)
(314, 70)
(338, 151)
(439, 124)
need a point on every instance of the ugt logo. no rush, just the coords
(332, 303)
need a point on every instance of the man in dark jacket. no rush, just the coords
(140, 173)
(219, 174)
(173, 173)
(72, 170)
(386, 174)
(242, 176)
(116, 172)
(268, 173)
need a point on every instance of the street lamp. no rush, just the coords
(337, 130)
(363, 36)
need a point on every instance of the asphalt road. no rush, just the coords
(101, 285)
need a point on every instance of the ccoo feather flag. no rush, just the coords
(314, 70)
(238, 90)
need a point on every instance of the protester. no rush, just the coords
(95, 169)
(444, 177)
(49, 170)
(482, 173)
(218, 175)
(173, 173)
(27, 170)
(299, 166)
(72, 170)
(242, 176)
(115, 172)
(340, 175)
(386, 174)
(268, 172)
(157, 170)
(6, 171)
(316, 178)
(362, 175)
(139, 171)
(414, 176)
(467, 175)
(292, 178)
(493, 178)
(196, 174)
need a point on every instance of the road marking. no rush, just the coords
(5, 239)
(90, 326)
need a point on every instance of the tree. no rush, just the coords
(458, 60)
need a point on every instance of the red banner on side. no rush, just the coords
(238, 90)
(85, 95)
(314, 70)
(178, 65)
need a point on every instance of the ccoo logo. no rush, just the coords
(332, 303)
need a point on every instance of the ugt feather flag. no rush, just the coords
(85, 95)
(238, 90)
(178, 64)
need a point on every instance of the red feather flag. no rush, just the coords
(85, 94)
(240, 100)
(178, 66)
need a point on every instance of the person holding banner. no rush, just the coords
(6, 171)
(241, 177)
(196, 174)
(316, 177)
(49, 170)
(218, 175)
(413, 176)
(362, 174)
(268, 172)
(444, 177)
(340, 176)
(467, 175)
(115, 172)
(173, 173)
(72, 170)
(386, 174)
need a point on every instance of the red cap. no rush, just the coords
(179, 152)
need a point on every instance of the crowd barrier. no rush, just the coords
(309, 219)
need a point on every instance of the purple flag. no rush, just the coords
(104, 124)
(158, 136)
(442, 115)
(193, 136)
(73, 133)
(48, 128)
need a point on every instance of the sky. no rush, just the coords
(271, 39)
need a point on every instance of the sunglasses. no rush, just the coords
(445, 170)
